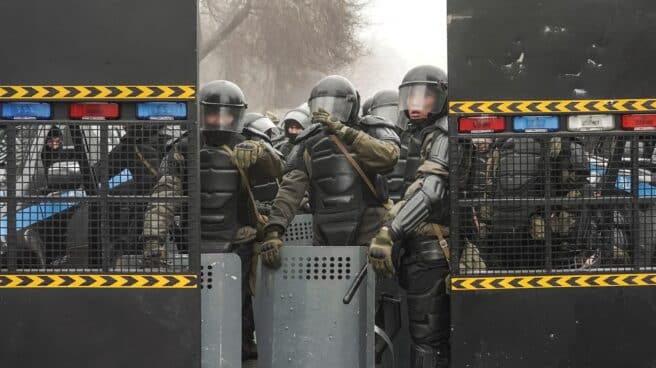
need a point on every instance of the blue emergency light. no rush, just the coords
(536, 124)
(25, 110)
(161, 111)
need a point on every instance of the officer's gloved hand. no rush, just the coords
(269, 249)
(380, 253)
(247, 153)
(332, 126)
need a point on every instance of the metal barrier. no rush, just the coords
(74, 191)
(300, 318)
(299, 231)
(541, 203)
(220, 310)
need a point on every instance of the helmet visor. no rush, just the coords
(338, 107)
(221, 118)
(417, 101)
(387, 112)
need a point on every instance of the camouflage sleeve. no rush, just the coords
(160, 215)
(290, 195)
(268, 167)
(375, 155)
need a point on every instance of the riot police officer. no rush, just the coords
(258, 127)
(347, 205)
(294, 122)
(385, 104)
(228, 217)
(419, 222)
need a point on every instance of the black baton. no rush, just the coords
(355, 285)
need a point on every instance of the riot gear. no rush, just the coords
(222, 107)
(338, 97)
(260, 123)
(424, 87)
(366, 106)
(386, 105)
(419, 221)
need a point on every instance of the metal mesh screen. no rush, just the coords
(74, 193)
(553, 202)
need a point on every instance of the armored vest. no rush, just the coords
(338, 194)
(220, 188)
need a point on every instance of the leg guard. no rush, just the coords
(428, 309)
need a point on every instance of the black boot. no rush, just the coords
(427, 357)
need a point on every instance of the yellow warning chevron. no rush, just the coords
(97, 281)
(551, 281)
(96, 92)
(552, 106)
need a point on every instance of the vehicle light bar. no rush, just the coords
(639, 122)
(94, 111)
(26, 111)
(161, 111)
(589, 123)
(482, 124)
(531, 124)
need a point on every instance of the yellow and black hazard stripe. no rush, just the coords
(98, 281)
(552, 106)
(552, 281)
(123, 92)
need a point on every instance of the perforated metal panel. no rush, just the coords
(300, 318)
(299, 231)
(221, 310)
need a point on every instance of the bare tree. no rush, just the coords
(275, 48)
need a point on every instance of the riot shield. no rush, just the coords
(221, 310)
(300, 318)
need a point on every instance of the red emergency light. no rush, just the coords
(639, 122)
(94, 111)
(482, 124)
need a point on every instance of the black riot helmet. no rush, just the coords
(366, 106)
(338, 96)
(386, 105)
(259, 122)
(222, 107)
(424, 88)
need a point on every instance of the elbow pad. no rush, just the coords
(420, 206)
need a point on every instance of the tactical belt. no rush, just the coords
(358, 169)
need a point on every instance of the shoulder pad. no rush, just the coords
(255, 135)
(376, 121)
(310, 131)
(443, 124)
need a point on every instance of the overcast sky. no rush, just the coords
(400, 35)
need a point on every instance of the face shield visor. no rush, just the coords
(338, 107)
(387, 112)
(221, 118)
(418, 101)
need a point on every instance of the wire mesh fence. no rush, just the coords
(74, 193)
(536, 203)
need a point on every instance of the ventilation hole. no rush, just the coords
(332, 270)
(316, 277)
(309, 258)
(209, 286)
(316, 270)
(202, 267)
(293, 271)
(323, 277)
(284, 277)
(348, 265)
(339, 265)
(316, 259)
(339, 277)
(284, 271)
(323, 259)
(332, 259)
(202, 287)
(348, 259)
(209, 274)
(339, 270)
(332, 277)
(339, 259)
(324, 265)
(348, 277)
(202, 274)
(307, 277)
(299, 271)
(209, 267)
(209, 281)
